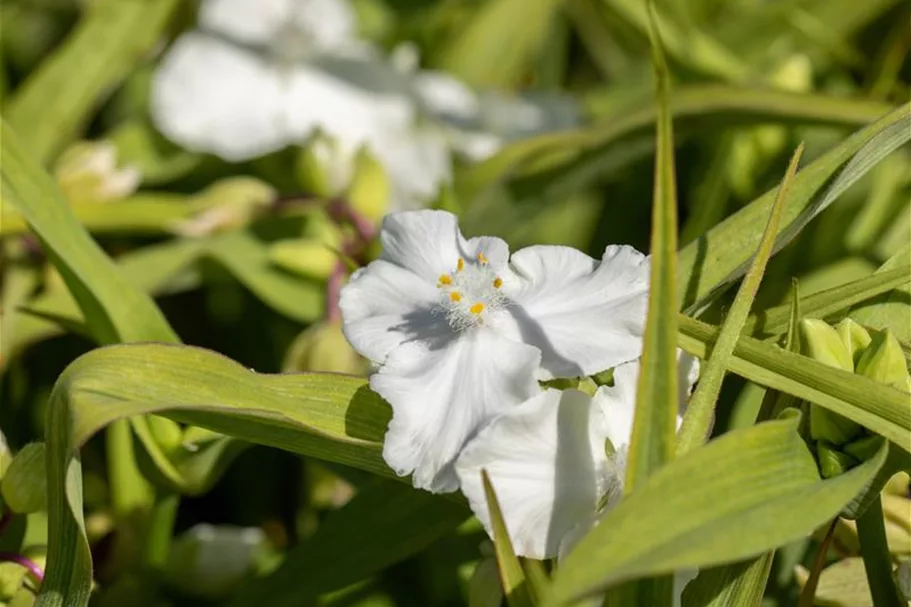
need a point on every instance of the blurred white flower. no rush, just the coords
(212, 560)
(557, 461)
(462, 332)
(88, 171)
(258, 75)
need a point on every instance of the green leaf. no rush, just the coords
(741, 584)
(721, 255)
(655, 420)
(823, 304)
(747, 492)
(701, 410)
(512, 576)
(385, 522)
(510, 30)
(114, 311)
(56, 99)
(880, 408)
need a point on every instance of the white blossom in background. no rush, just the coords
(557, 462)
(88, 171)
(462, 332)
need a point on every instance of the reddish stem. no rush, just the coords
(33, 568)
(333, 291)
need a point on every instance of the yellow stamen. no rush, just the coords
(461, 265)
(482, 258)
(445, 279)
(497, 282)
(455, 296)
(476, 308)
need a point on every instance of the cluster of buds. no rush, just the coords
(841, 443)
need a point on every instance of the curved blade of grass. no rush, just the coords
(512, 576)
(701, 410)
(721, 255)
(747, 492)
(878, 407)
(875, 552)
(110, 39)
(654, 423)
(823, 304)
(890, 311)
(384, 523)
(114, 311)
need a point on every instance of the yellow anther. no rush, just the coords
(497, 282)
(476, 308)
(461, 265)
(455, 296)
(482, 258)
(445, 279)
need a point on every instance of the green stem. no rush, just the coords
(875, 552)
(161, 529)
(129, 489)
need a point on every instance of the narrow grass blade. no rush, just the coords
(512, 576)
(875, 553)
(741, 584)
(700, 413)
(654, 424)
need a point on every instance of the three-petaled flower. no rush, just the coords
(462, 332)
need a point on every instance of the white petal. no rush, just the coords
(385, 305)
(429, 243)
(417, 162)
(447, 98)
(618, 402)
(514, 117)
(210, 96)
(546, 464)
(353, 101)
(442, 394)
(584, 315)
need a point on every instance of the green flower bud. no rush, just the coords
(87, 172)
(864, 448)
(305, 257)
(167, 433)
(323, 347)
(320, 168)
(854, 337)
(883, 361)
(24, 486)
(226, 205)
(833, 462)
(211, 561)
(371, 188)
(821, 342)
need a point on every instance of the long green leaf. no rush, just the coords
(742, 494)
(823, 304)
(114, 310)
(741, 584)
(108, 42)
(654, 423)
(384, 523)
(701, 411)
(875, 553)
(890, 310)
(721, 256)
(880, 408)
(512, 576)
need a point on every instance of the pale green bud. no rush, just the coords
(226, 205)
(211, 561)
(899, 484)
(305, 257)
(320, 168)
(883, 361)
(167, 433)
(863, 448)
(24, 486)
(88, 172)
(323, 347)
(821, 342)
(794, 74)
(371, 187)
(833, 462)
(854, 337)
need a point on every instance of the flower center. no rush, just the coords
(470, 293)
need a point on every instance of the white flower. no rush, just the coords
(259, 75)
(549, 465)
(462, 332)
